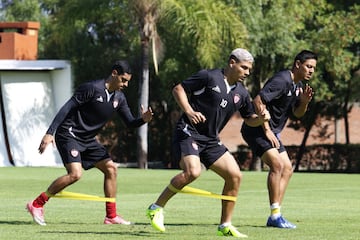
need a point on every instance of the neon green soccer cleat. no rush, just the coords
(230, 231)
(157, 218)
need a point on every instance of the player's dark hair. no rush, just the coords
(305, 55)
(122, 66)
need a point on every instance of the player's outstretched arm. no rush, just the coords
(48, 138)
(305, 95)
(148, 115)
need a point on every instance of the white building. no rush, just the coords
(31, 94)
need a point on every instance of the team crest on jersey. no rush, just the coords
(74, 153)
(236, 98)
(115, 103)
(195, 146)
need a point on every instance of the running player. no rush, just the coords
(75, 127)
(282, 95)
(215, 95)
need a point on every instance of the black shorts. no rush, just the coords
(87, 152)
(186, 143)
(257, 140)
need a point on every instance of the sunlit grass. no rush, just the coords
(324, 206)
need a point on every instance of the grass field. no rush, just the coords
(324, 206)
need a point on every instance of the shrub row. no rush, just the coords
(318, 158)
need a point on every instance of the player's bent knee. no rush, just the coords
(233, 177)
(237, 177)
(193, 174)
(75, 176)
(112, 168)
(289, 171)
(276, 166)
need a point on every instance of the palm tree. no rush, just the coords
(146, 12)
(211, 26)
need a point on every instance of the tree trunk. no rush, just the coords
(310, 123)
(345, 113)
(256, 164)
(301, 151)
(346, 110)
(142, 133)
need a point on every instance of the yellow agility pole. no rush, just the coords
(81, 196)
(201, 193)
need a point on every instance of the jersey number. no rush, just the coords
(223, 103)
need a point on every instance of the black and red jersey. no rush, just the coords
(280, 95)
(88, 110)
(211, 95)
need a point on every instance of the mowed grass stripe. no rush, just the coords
(324, 206)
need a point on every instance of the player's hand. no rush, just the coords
(148, 115)
(196, 117)
(272, 138)
(306, 94)
(264, 114)
(45, 141)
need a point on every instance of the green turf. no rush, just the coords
(324, 206)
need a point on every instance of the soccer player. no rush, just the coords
(282, 95)
(214, 96)
(75, 127)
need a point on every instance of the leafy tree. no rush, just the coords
(336, 38)
(20, 10)
(25, 10)
(338, 56)
(92, 35)
(277, 31)
(208, 27)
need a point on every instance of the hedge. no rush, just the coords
(316, 158)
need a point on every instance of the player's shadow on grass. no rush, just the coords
(178, 224)
(253, 226)
(113, 233)
(148, 232)
(16, 222)
(202, 225)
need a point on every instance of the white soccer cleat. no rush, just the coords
(36, 213)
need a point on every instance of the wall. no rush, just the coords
(32, 92)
